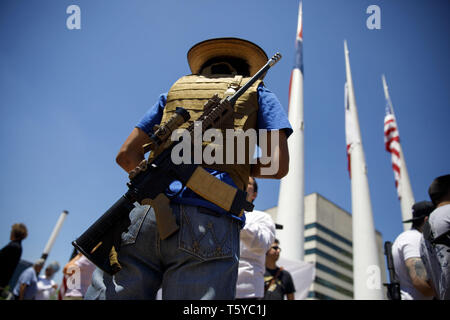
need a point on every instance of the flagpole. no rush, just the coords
(54, 234)
(405, 193)
(366, 267)
(290, 212)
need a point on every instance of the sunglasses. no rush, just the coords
(276, 248)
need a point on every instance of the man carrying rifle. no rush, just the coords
(200, 260)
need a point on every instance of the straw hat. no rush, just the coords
(226, 47)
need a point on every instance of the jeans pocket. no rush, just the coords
(137, 216)
(206, 236)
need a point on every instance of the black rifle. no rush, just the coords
(393, 288)
(101, 240)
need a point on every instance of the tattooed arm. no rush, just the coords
(418, 274)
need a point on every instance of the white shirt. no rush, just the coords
(440, 220)
(256, 237)
(45, 288)
(407, 245)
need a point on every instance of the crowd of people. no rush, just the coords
(31, 285)
(421, 258)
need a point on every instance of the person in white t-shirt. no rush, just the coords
(46, 286)
(255, 240)
(409, 267)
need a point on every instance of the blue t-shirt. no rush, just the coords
(28, 276)
(271, 116)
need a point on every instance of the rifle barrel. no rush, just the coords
(275, 58)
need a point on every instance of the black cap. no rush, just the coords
(421, 210)
(439, 188)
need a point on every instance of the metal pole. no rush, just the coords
(54, 234)
(290, 212)
(366, 265)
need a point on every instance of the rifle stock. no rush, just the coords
(97, 242)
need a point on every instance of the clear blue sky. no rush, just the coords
(69, 98)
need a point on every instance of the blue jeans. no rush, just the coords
(199, 261)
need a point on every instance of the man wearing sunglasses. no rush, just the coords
(278, 282)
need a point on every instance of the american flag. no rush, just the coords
(298, 65)
(299, 41)
(392, 143)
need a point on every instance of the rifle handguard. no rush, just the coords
(164, 131)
